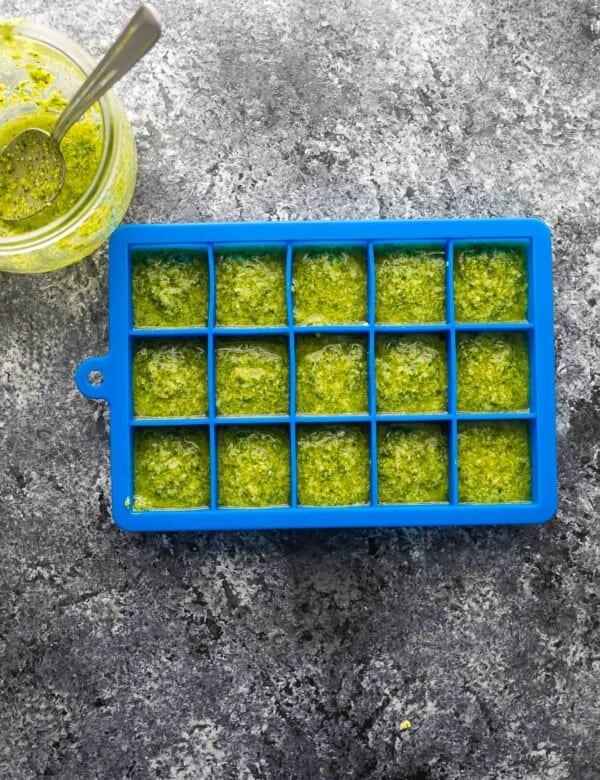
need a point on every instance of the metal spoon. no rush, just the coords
(32, 167)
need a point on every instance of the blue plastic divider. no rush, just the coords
(289, 298)
(372, 318)
(452, 377)
(212, 379)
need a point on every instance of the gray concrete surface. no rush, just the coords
(296, 655)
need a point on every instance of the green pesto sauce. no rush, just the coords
(494, 463)
(332, 375)
(493, 373)
(81, 149)
(252, 377)
(254, 467)
(170, 379)
(250, 290)
(330, 286)
(490, 285)
(171, 468)
(411, 374)
(410, 286)
(170, 289)
(413, 464)
(333, 465)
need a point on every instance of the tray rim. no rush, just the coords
(472, 230)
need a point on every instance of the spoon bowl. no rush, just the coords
(32, 174)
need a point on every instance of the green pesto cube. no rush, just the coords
(490, 284)
(410, 285)
(250, 289)
(413, 464)
(254, 466)
(493, 372)
(170, 378)
(170, 289)
(333, 465)
(171, 468)
(331, 375)
(411, 374)
(330, 286)
(252, 377)
(494, 465)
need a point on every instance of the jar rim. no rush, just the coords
(65, 223)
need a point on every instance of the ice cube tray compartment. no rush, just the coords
(400, 432)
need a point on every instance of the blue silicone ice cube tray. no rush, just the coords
(115, 368)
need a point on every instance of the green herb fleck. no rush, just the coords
(413, 464)
(332, 375)
(254, 467)
(40, 77)
(493, 372)
(411, 374)
(330, 286)
(494, 463)
(250, 289)
(410, 285)
(170, 289)
(252, 377)
(170, 379)
(7, 32)
(333, 466)
(56, 102)
(490, 285)
(171, 468)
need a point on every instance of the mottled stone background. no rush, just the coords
(296, 655)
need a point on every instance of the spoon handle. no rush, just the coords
(138, 37)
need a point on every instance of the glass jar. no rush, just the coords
(41, 69)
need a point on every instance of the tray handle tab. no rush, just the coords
(93, 377)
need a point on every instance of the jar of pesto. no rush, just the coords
(40, 70)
